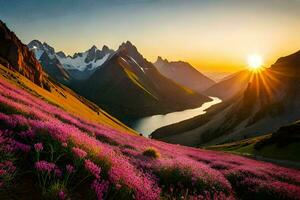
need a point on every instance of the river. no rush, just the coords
(149, 124)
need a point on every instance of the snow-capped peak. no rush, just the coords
(88, 60)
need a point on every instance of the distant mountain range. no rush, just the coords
(122, 82)
(183, 73)
(254, 104)
(63, 68)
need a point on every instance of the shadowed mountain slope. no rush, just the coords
(184, 74)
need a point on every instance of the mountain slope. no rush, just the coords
(281, 146)
(15, 55)
(46, 56)
(270, 100)
(128, 86)
(184, 74)
(229, 86)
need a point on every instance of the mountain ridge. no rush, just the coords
(78, 66)
(183, 73)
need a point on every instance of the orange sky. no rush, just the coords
(211, 35)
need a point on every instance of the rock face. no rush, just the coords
(184, 74)
(15, 55)
(54, 68)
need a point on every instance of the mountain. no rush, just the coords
(184, 74)
(46, 56)
(129, 86)
(217, 76)
(79, 66)
(15, 55)
(229, 85)
(270, 100)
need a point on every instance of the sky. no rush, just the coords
(212, 35)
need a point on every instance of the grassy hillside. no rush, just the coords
(66, 99)
(283, 146)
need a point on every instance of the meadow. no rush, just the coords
(63, 156)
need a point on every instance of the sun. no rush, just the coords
(254, 62)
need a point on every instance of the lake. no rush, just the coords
(149, 124)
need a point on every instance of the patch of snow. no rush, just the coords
(74, 63)
(79, 62)
(137, 64)
(37, 52)
(100, 62)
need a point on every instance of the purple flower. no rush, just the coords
(57, 172)
(38, 147)
(92, 168)
(7, 167)
(61, 195)
(27, 134)
(45, 166)
(100, 188)
(20, 146)
(70, 169)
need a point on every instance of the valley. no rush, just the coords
(149, 100)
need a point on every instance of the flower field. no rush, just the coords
(71, 158)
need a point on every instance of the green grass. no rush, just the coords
(290, 152)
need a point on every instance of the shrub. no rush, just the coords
(152, 153)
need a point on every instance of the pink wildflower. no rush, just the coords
(20, 146)
(45, 166)
(61, 195)
(70, 169)
(38, 147)
(92, 168)
(100, 188)
(27, 134)
(57, 172)
(79, 152)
